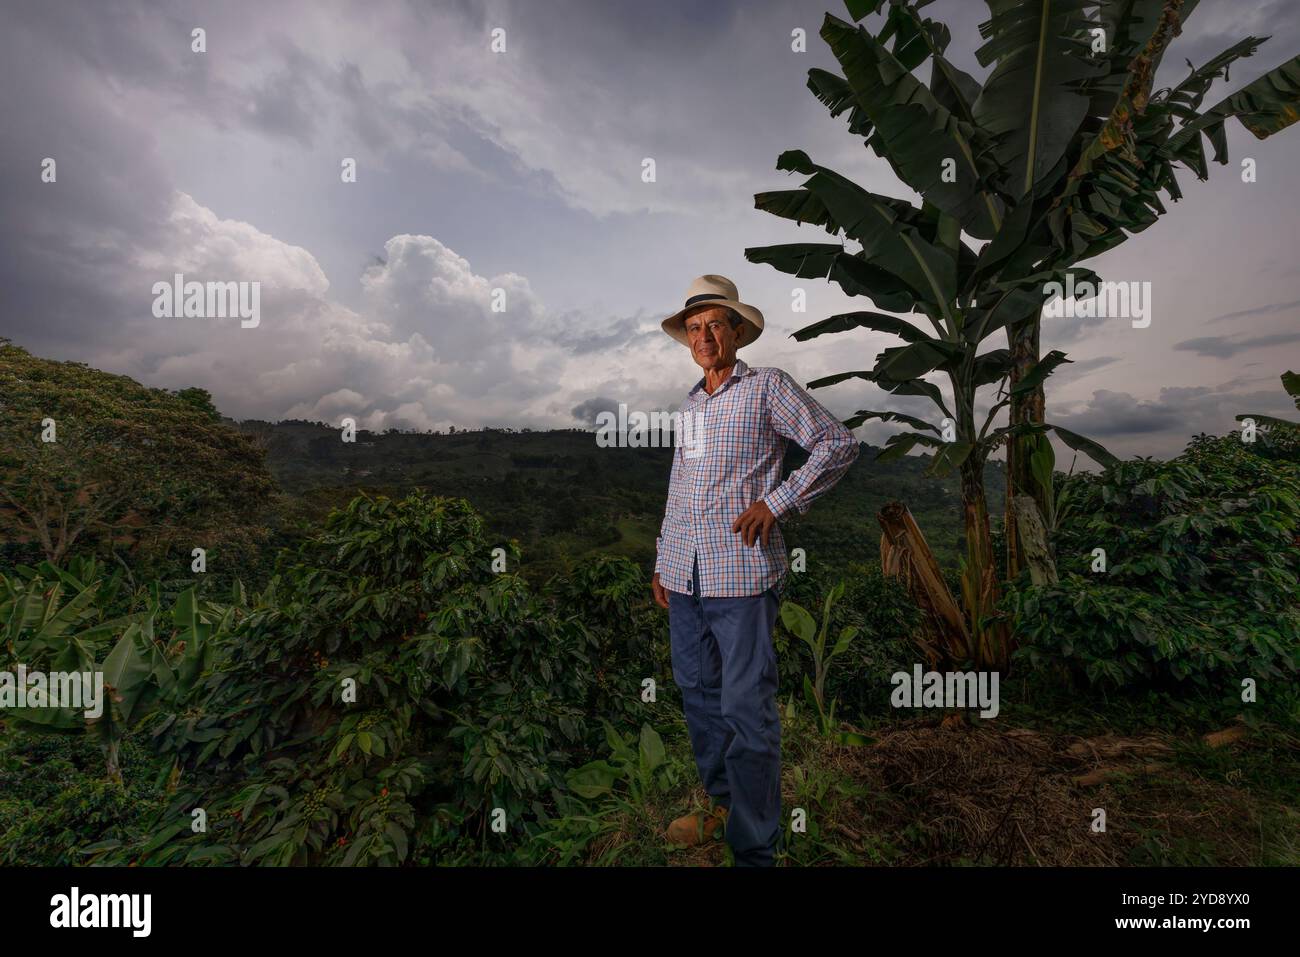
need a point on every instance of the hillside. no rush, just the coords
(564, 498)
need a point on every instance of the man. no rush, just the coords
(722, 562)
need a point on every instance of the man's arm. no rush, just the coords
(831, 447)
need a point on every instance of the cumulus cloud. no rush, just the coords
(432, 344)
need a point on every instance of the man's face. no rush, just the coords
(711, 337)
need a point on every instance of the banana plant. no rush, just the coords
(140, 670)
(1057, 156)
(801, 624)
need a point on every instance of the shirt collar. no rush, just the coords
(738, 370)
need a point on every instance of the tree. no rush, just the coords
(200, 399)
(89, 459)
(1055, 158)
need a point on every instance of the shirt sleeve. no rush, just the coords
(831, 447)
(673, 482)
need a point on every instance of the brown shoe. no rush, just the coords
(698, 828)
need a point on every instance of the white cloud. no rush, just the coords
(424, 349)
(200, 243)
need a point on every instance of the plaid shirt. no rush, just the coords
(730, 457)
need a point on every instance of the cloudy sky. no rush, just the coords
(522, 171)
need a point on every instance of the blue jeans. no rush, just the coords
(724, 663)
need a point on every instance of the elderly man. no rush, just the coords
(721, 560)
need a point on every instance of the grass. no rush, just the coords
(930, 793)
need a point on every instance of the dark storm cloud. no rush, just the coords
(1135, 426)
(63, 243)
(588, 410)
(1225, 347)
(1119, 413)
(1259, 311)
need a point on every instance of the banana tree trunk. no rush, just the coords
(905, 555)
(1028, 407)
(111, 764)
(1035, 547)
(979, 581)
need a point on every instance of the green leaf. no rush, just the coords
(1265, 106)
(1042, 463)
(127, 671)
(918, 386)
(885, 228)
(613, 740)
(343, 744)
(184, 613)
(830, 261)
(862, 8)
(992, 366)
(1030, 103)
(810, 696)
(875, 321)
(652, 748)
(900, 363)
(1086, 446)
(593, 779)
(797, 620)
(1041, 370)
(1291, 382)
(950, 457)
(834, 91)
(49, 720)
(1268, 421)
(913, 132)
(846, 638)
(887, 416)
(59, 624)
(899, 445)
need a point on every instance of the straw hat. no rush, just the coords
(711, 290)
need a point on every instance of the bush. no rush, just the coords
(471, 694)
(611, 597)
(1201, 585)
(56, 800)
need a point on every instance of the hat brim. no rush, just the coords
(750, 328)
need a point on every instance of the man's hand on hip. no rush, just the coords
(755, 522)
(661, 593)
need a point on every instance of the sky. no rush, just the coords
(522, 171)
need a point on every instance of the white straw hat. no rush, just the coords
(713, 290)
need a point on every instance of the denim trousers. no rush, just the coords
(724, 664)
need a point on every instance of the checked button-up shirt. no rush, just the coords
(728, 456)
